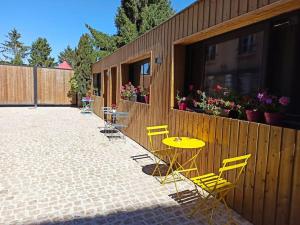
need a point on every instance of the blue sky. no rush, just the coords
(61, 21)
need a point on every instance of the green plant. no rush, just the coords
(128, 91)
(179, 98)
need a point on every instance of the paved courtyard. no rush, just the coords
(57, 168)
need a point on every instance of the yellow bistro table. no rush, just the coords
(179, 143)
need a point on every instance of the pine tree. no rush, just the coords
(40, 54)
(13, 50)
(85, 57)
(68, 55)
(137, 11)
(134, 17)
(155, 14)
(104, 44)
(127, 30)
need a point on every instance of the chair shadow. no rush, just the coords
(186, 197)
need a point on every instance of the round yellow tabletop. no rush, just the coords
(183, 142)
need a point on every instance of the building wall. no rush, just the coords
(269, 189)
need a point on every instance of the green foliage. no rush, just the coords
(85, 57)
(127, 30)
(104, 44)
(40, 54)
(68, 55)
(143, 14)
(133, 18)
(155, 14)
(13, 50)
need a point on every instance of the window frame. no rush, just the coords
(132, 60)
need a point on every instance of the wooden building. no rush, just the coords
(245, 44)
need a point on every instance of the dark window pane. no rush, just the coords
(238, 64)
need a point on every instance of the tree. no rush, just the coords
(85, 57)
(155, 14)
(127, 30)
(68, 55)
(134, 17)
(13, 50)
(137, 11)
(40, 54)
(104, 44)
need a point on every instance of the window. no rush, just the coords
(229, 70)
(217, 61)
(138, 73)
(263, 56)
(145, 68)
(211, 53)
(247, 44)
(97, 84)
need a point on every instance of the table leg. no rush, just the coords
(193, 165)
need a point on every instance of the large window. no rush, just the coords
(264, 56)
(138, 75)
(238, 64)
(97, 84)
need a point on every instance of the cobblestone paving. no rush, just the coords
(57, 168)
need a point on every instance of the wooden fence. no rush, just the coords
(269, 190)
(17, 86)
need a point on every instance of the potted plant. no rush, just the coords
(181, 101)
(252, 109)
(199, 102)
(129, 92)
(144, 95)
(273, 107)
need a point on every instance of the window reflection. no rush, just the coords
(238, 64)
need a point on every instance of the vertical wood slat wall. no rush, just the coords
(269, 190)
(17, 88)
(54, 86)
(16, 85)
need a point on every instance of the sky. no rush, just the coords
(61, 22)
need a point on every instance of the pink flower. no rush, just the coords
(284, 101)
(261, 96)
(268, 100)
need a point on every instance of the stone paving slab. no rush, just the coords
(57, 168)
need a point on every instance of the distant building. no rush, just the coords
(65, 65)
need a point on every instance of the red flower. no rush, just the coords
(218, 88)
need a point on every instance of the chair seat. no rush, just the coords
(212, 183)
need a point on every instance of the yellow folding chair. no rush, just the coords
(216, 187)
(154, 131)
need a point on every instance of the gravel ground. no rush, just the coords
(57, 168)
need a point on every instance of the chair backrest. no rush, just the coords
(237, 164)
(161, 130)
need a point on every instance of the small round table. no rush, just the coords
(186, 167)
(183, 142)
